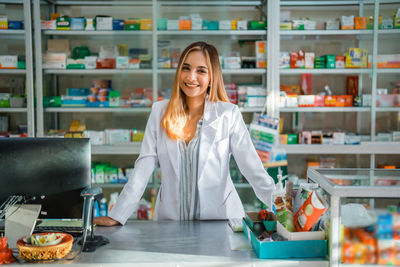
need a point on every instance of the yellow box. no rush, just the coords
(146, 24)
(283, 139)
(353, 58)
(364, 58)
(234, 24)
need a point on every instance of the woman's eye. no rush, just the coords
(185, 68)
(202, 71)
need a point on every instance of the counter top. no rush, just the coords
(172, 243)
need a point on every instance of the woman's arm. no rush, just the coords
(144, 167)
(106, 221)
(248, 161)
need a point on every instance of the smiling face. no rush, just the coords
(195, 75)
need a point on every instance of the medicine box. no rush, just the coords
(173, 25)
(63, 23)
(225, 25)
(211, 25)
(77, 24)
(146, 24)
(104, 23)
(286, 249)
(15, 24)
(3, 22)
(162, 24)
(197, 24)
(118, 24)
(8, 62)
(54, 61)
(242, 24)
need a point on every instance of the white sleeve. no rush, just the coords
(248, 161)
(144, 167)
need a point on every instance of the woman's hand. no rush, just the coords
(106, 221)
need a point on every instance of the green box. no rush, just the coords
(21, 65)
(4, 103)
(257, 25)
(292, 139)
(113, 98)
(132, 27)
(162, 24)
(330, 62)
(63, 23)
(51, 101)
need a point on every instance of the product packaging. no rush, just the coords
(104, 23)
(310, 212)
(146, 24)
(63, 23)
(261, 54)
(309, 60)
(3, 22)
(103, 207)
(347, 23)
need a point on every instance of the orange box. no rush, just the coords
(185, 25)
(330, 101)
(309, 212)
(344, 101)
(360, 23)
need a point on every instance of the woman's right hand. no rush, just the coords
(106, 221)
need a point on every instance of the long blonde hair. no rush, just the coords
(175, 116)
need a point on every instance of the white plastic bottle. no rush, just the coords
(113, 200)
(278, 196)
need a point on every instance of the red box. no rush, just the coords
(319, 101)
(106, 63)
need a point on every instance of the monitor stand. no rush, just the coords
(20, 221)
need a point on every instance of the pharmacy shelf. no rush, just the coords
(324, 71)
(210, 3)
(367, 148)
(132, 148)
(254, 109)
(88, 109)
(12, 110)
(388, 70)
(98, 71)
(388, 109)
(12, 71)
(326, 32)
(224, 71)
(109, 185)
(12, 32)
(217, 32)
(389, 31)
(326, 109)
(94, 33)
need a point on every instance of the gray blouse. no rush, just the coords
(189, 193)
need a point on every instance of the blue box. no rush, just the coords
(15, 24)
(78, 91)
(77, 24)
(118, 24)
(97, 104)
(286, 249)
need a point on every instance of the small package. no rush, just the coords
(297, 24)
(185, 24)
(104, 23)
(63, 23)
(225, 25)
(90, 62)
(261, 54)
(309, 60)
(242, 24)
(310, 24)
(284, 60)
(8, 62)
(77, 24)
(360, 23)
(122, 62)
(3, 22)
(48, 25)
(197, 22)
(89, 24)
(146, 24)
(54, 60)
(332, 25)
(338, 138)
(310, 212)
(173, 25)
(96, 137)
(347, 23)
(339, 62)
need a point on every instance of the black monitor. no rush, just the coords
(56, 168)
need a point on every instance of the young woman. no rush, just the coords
(192, 136)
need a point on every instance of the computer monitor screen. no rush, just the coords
(56, 168)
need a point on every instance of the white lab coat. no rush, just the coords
(223, 133)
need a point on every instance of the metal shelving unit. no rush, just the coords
(97, 71)
(325, 71)
(371, 148)
(120, 149)
(326, 109)
(26, 33)
(218, 32)
(86, 109)
(224, 71)
(95, 33)
(365, 148)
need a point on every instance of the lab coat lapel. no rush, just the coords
(209, 130)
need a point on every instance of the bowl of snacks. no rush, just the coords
(45, 246)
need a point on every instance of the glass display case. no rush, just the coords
(376, 187)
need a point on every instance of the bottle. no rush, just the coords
(96, 209)
(113, 200)
(278, 196)
(103, 207)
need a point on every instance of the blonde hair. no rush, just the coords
(175, 117)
